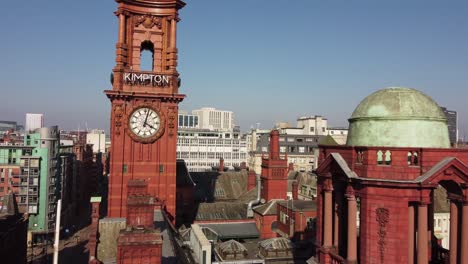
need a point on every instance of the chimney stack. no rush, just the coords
(251, 177)
(274, 145)
(221, 165)
(295, 190)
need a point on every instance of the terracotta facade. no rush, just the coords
(274, 172)
(395, 204)
(149, 26)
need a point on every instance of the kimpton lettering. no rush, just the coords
(145, 79)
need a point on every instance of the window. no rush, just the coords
(323, 129)
(283, 149)
(146, 56)
(301, 149)
(379, 157)
(388, 157)
(311, 129)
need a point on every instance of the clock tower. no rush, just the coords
(144, 103)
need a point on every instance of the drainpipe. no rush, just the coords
(256, 201)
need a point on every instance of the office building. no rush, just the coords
(97, 138)
(452, 123)
(211, 118)
(34, 121)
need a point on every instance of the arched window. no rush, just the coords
(415, 158)
(379, 157)
(410, 158)
(359, 156)
(146, 56)
(388, 157)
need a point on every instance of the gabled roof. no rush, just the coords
(336, 157)
(267, 208)
(441, 166)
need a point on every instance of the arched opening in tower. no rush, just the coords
(147, 56)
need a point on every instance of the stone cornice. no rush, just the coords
(164, 97)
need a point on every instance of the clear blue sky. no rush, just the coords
(267, 61)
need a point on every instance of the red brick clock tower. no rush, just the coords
(144, 103)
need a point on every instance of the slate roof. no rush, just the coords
(278, 243)
(221, 211)
(234, 230)
(268, 208)
(299, 205)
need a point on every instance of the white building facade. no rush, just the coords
(206, 136)
(34, 121)
(212, 118)
(97, 137)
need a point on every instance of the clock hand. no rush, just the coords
(151, 126)
(146, 119)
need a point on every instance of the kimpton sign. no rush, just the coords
(146, 79)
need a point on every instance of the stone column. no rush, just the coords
(410, 234)
(173, 32)
(453, 231)
(422, 234)
(464, 235)
(327, 219)
(336, 221)
(352, 229)
(121, 28)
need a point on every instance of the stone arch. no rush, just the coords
(147, 56)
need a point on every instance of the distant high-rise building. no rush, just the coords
(211, 118)
(98, 139)
(34, 121)
(452, 123)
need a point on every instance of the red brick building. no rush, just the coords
(139, 242)
(295, 219)
(145, 102)
(274, 171)
(397, 154)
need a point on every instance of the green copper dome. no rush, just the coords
(398, 117)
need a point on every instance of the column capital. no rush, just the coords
(423, 203)
(122, 12)
(327, 185)
(350, 193)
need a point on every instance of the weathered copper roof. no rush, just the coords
(398, 117)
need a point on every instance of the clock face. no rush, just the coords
(144, 122)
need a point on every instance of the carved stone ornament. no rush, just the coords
(382, 217)
(118, 114)
(171, 120)
(148, 21)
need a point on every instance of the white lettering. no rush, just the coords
(144, 79)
